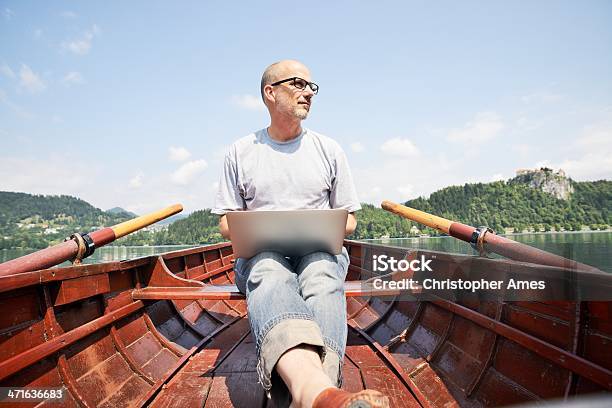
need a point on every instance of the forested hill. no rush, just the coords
(34, 221)
(200, 227)
(534, 200)
(517, 205)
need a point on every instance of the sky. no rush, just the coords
(134, 104)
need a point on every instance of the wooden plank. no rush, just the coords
(31, 356)
(231, 292)
(562, 358)
(71, 290)
(177, 367)
(413, 380)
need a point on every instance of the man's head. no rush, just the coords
(285, 97)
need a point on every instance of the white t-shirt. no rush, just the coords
(308, 172)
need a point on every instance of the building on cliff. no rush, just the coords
(552, 182)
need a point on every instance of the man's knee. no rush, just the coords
(320, 265)
(320, 274)
(269, 269)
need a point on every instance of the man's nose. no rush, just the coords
(308, 93)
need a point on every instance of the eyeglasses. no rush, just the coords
(300, 84)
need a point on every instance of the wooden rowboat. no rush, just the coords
(172, 330)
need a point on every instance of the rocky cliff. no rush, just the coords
(546, 180)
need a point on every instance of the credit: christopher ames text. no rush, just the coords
(454, 284)
(385, 263)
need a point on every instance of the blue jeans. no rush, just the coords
(293, 301)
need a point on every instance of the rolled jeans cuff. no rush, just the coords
(332, 366)
(284, 336)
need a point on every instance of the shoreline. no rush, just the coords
(359, 240)
(505, 235)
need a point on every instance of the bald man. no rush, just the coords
(297, 307)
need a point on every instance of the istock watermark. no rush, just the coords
(384, 263)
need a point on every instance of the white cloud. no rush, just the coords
(7, 71)
(590, 156)
(394, 180)
(30, 81)
(68, 14)
(406, 192)
(178, 153)
(8, 13)
(38, 33)
(81, 45)
(357, 147)
(48, 176)
(594, 146)
(57, 119)
(72, 78)
(592, 166)
(185, 174)
(399, 147)
(368, 194)
(541, 97)
(595, 137)
(484, 126)
(136, 181)
(498, 177)
(249, 102)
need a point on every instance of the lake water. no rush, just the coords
(593, 248)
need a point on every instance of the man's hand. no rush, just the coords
(224, 228)
(351, 224)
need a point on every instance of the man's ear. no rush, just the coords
(268, 92)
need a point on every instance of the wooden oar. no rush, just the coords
(485, 239)
(80, 246)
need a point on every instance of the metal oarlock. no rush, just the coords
(477, 240)
(86, 247)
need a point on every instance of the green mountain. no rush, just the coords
(200, 227)
(171, 219)
(539, 199)
(121, 211)
(35, 221)
(533, 200)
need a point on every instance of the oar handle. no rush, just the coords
(432, 221)
(127, 227)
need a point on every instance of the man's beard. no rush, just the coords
(300, 113)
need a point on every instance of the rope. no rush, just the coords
(82, 248)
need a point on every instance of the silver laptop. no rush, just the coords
(291, 233)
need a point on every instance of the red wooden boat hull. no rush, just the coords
(92, 330)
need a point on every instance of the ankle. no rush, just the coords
(302, 371)
(311, 392)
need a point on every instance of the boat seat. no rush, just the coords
(231, 292)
